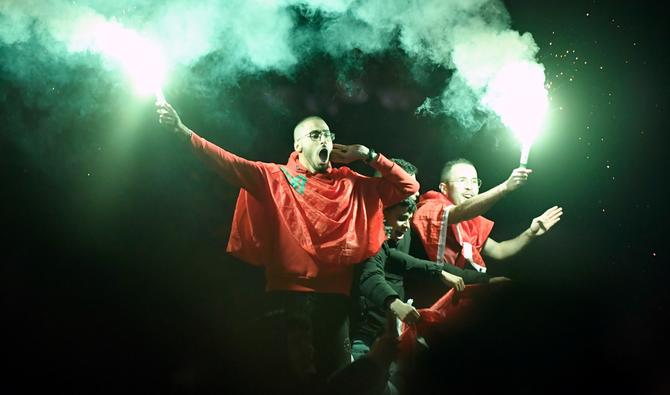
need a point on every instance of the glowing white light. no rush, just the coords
(517, 94)
(138, 56)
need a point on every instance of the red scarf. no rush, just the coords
(428, 220)
(448, 310)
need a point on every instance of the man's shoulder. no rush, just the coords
(274, 168)
(384, 249)
(432, 197)
(341, 171)
(431, 201)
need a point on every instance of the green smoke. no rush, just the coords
(213, 44)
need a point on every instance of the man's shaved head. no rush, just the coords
(308, 124)
(313, 151)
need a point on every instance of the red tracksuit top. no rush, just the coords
(307, 230)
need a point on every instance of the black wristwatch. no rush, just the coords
(371, 155)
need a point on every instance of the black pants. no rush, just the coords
(317, 323)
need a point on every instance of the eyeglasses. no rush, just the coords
(471, 181)
(316, 135)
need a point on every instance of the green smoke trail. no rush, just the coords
(213, 44)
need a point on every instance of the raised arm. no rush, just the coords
(539, 226)
(235, 170)
(481, 203)
(393, 186)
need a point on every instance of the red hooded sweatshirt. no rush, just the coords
(428, 223)
(307, 230)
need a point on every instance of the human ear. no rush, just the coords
(443, 188)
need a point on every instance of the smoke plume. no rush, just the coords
(210, 44)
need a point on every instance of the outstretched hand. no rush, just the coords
(546, 221)
(348, 153)
(168, 116)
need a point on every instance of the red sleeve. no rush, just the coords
(395, 184)
(235, 170)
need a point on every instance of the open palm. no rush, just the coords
(546, 221)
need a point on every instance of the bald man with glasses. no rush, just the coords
(307, 223)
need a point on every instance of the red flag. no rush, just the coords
(449, 307)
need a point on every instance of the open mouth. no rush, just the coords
(398, 234)
(323, 155)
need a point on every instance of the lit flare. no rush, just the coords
(517, 94)
(140, 57)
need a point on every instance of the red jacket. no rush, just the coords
(428, 221)
(306, 229)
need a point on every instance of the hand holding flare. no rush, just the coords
(168, 116)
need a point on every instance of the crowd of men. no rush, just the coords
(336, 247)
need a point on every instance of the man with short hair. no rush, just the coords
(382, 277)
(381, 282)
(403, 244)
(307, 223)
(381, 287)
(450, 224)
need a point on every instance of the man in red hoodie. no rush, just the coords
(450, 224)
(307, 223)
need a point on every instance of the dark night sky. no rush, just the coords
(114, 265)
